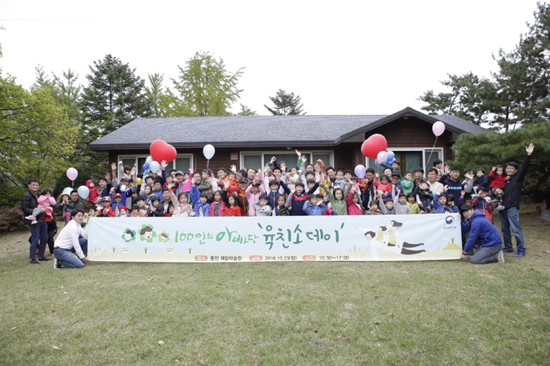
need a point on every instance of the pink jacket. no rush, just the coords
(221, 210)
(353, 208)
(252, 198)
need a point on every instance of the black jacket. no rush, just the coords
(512, 189)
(29, 202)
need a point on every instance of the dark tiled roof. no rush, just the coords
(254, 131)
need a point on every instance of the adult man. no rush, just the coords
(74, 204)
(509, 217)
(368, 190)
(39, 231)
(480, 228)
(435, 186)
(69, 251)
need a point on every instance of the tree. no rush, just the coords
(205, 87)
(488, 150)
(245, 111)
(114, 96)
(285, 104)
(36, 135)
(519, 91)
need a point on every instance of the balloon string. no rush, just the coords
(431, 152)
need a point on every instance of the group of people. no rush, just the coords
(278, 190)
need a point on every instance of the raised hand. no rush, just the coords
(297, 152)
(233, 168)
(113, 167)
(164, 164)
(530, 149)
(447, 170)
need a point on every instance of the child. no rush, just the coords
(135, 211)
(170, 213)
(170, 183)
(297, 199)
(438, 165)
(414, 208)
(206, 186)
(407, 183)
(182, 206)
(394, 168)
(383, 187)
(452, 205)
(324, 182)
(253, 193)
(143, 212)
(425, 196)
(353, 201)
(499, 198)
(373, 209)
(452, 181)
(106, 210)
(232, 208)
(280, 208)
(202, 208)
(498, 180)
(165, 205)
(337, 198)
(481, 181)
(94, 192)
(261, 207)
(387, 206)
(117, 204)
(293, 177)
(123, 212)
(482, 203)
(315, 206)
(401, 207)
(155, 210)
(217, 208)
(340, 181)
(46, 203)
(418, 175)
(440, 202)
(63, 202)
(274, 192)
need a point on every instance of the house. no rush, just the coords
(251, 141)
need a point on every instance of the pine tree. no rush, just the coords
(285, 104)
(114, 96)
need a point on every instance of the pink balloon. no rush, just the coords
(382, 156)
(438, 128)
(72, 173)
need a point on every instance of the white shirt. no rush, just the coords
(68, 238)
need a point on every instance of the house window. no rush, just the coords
(256, 160)
(182, 162)
(411, 159)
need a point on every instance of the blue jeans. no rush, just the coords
(39, 231)
(509, 219)
(67, 258)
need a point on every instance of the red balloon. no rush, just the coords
(373, 145)
(160, 151)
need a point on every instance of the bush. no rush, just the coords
(11, 219)
(11, 196)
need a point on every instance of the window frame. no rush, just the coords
(275, 152)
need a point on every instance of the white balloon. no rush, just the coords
(154, 166)
(208, 151)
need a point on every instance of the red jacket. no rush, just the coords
(353, 209)
(497, 181)
(94, 192)
(221, 211)
(232, 211)
(106, 212)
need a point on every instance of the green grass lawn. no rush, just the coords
(343, 313)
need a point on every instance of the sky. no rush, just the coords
(346, 57)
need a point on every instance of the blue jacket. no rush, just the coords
(483, 182)
(205, 207)
(482, 229)
(314, 210)
(299, 200)
(438, 208)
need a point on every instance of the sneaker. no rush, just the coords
(500, 257)
(30, 217)
(506, 250)
(44, 259)
(56, 264)
(520, 254)
(34, 261)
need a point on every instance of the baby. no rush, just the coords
(46, 203)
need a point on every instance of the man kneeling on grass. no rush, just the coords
(69, 250)
(482, 229)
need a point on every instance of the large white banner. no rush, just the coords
(266, 239)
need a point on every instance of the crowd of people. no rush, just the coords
(309, 188)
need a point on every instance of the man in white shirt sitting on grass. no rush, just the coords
(70, 250)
